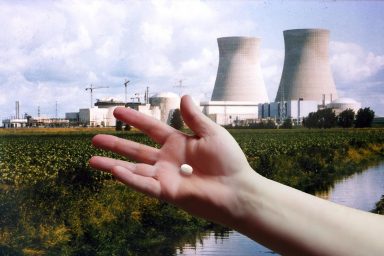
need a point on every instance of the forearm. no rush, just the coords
(292, 222)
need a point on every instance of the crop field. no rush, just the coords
(52, 202)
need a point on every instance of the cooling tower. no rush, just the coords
(306, 72)
(239, 74)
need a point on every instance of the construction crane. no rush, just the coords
(180, 86)
(91, 88)
(125, 85)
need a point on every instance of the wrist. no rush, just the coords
(246, 199)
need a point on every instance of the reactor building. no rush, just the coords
(239, 86)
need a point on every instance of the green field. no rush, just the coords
(51, 202)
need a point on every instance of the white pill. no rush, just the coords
(186, 169)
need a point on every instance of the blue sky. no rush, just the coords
(50, 51)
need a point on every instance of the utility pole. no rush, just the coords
(125, 85)
(91, 88)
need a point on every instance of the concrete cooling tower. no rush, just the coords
(239, 75)
(306, 72)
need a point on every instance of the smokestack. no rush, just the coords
(17, 110)
(239, 75)
(306, 72)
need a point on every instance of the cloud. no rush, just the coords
(351, 63)
(358, 74)
(272, 67)
(51, 51)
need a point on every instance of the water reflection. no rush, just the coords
(361, 191)
(231, 243)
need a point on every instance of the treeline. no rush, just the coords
(326, 118)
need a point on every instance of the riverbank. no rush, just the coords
(51, 202)
(311, 160)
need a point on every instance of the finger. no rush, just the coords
(146, 185)
(106, 164)
(131, 149)
(200, 124)
(155, 129)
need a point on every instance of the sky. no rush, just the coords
(51, 51)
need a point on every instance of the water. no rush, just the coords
(361, 191)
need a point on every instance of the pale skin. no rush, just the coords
(225, 189)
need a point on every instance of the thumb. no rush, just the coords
(200, 124)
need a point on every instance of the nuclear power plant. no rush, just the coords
(306, 83)
(306, 72)
(239, 86)
(239, 96)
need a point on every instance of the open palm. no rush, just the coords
(218, 163)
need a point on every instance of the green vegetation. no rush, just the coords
(52, 203)
(287, 124)
(326, 118)
(323, 118)
(364, 118)
(345, 119)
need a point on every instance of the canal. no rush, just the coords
(361, 191)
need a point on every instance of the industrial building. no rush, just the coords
(292, 109)
(28, 121)
(341, 104)
(35, 122)
(238, 113)
(160, 106)
(15, 122)
(306, 83)
(239, 86)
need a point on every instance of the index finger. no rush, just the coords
(154, 128)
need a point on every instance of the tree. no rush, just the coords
(119, 125)
(323, 118)
(287, 124)
(364, 118)
(176, 121)
(345, 119)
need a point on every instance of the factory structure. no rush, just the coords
(20, 121)
(239, 86)
(160, 106)
(239, 96)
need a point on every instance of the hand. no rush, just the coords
(224, 188)
(219, 165)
